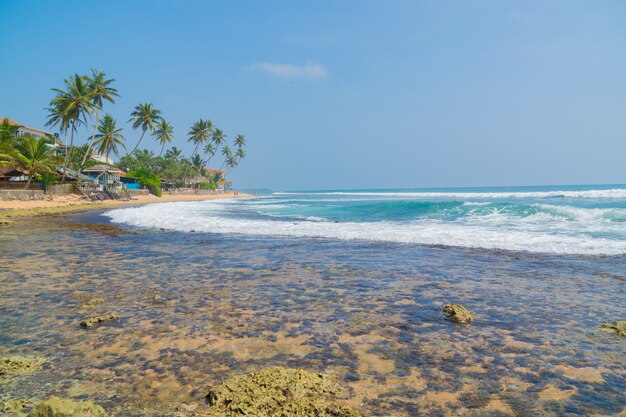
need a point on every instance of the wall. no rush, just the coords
(137, 192)
(59, 189)
(24, 195)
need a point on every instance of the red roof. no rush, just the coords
(213, 171)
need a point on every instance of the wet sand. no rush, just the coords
(197, 308)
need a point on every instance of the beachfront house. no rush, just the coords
(206, 176)
(23, 130)
(107, 177)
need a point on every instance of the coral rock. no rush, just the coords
(61, 407)
(457, 313)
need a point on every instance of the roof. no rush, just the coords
(11, 172)
(14, 123)
(104, 168)
(213, 171)
(74, 174)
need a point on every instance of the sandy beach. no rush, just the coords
(62, 204)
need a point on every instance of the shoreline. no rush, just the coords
(73, 203)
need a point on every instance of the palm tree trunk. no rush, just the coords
(67, 154)
(162, 149)
(138, 142)
(28, 182)
(90, 142)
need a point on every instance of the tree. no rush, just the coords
(7, 132)
(197, 162)
(219, 138)
(227, 154)
(232, 162)
(240, 141)
(35, 156)
(200, 132)
(210, 150)
(7, 140)
(109, 137)
(144, 116)
(164, 133)
(69, 109)
(240, 153)
(173, 154)
(100, 92)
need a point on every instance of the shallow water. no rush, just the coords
(197, 307)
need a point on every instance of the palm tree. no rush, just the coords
(227, 153)
(240, 154)
(100, 91)
(164, 133)
(200, 133)
(240, 141)
(109, 137)
(219, 138)
(144, 116)
(7, 139)
(7, 132)
(231, 162)
(197, 162)
(210, 150)
(35, 156)
(173, 154)
(69, 109)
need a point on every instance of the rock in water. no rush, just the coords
(15, 408)
(61, 407)
(618, 327)
(277, 391)
(457, 313)
(13, 366)
(94, 321)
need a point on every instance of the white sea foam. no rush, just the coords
(614, 193)
(548, 231)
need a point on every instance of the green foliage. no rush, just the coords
(205, 186)
(109, 138)
(7, 132)
(144, 116)
(35, 156)
(147, 179)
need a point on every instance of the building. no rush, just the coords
(106, 176)
(23, 130)
(96, 156)
(208, 174)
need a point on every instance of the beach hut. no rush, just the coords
(15, 178)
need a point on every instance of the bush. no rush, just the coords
(147, 179)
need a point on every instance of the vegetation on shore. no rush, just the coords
(78, 105)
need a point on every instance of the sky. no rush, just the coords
(346, 94)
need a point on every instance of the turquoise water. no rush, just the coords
(586, 220)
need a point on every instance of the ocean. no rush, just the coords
(584, 220)
(350, 283)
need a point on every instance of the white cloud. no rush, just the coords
(308, 70)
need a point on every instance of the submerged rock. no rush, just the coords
(91, 303)
(94, 321)
(15, 408)
(13, 366)
(457, 313)
(281, 392)
(618, 327)
(61, 407)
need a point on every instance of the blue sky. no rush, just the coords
(350, 94)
